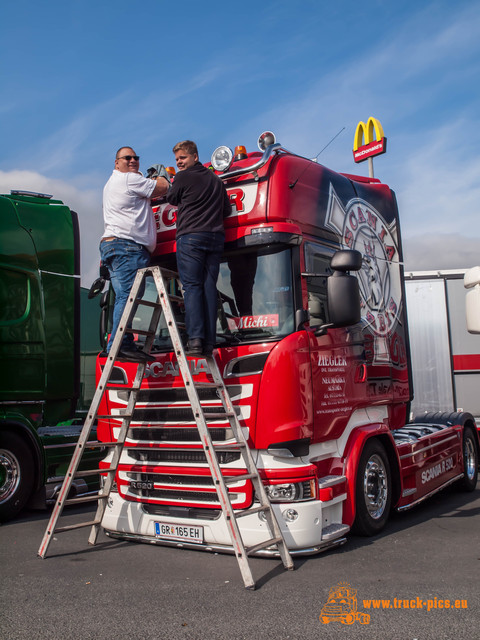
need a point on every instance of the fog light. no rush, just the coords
(290, 515)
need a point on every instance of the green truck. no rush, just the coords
(46, 378)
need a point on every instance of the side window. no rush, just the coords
(317, 260)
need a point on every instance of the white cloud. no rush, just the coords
(440, 251)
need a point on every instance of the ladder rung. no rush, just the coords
(92, 472)
(108, 444)
(84, 499)
(263, 545)
(175, 298)
(167, 273)
(94, 445)
(234, 479)
(115, 416)
(69, 527)
(226, 446)
(148, 303)
(207, 385)
(140, 332)
(247, 512)
(218, 415)
(120, 387)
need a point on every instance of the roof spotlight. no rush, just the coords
(265, 140)
(222, 158)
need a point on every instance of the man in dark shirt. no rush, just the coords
(202, 203)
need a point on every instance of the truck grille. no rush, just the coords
(177, 489)
(187, 496)
(171, 471)
(175, 435)
(158, 455)
(175, 395)
(171, 478)
(173, 414)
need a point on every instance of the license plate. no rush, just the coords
(180, 532)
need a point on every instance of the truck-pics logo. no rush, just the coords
(361, 227)
(342, 606)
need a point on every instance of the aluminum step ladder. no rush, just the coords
(164, 305)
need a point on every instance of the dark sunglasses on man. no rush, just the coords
(128, 158)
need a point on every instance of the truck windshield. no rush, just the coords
(255, 299)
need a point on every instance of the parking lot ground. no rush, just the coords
(408, 581)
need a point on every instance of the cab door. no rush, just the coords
(337, 354)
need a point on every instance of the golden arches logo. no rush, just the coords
(365, 144)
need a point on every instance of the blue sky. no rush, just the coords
(80, 79)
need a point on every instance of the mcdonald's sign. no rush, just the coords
(364, 144)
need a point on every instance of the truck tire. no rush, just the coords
(373, 490)
(16, 475)
(349, 618)
(470, 460)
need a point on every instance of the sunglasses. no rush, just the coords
(128, 158)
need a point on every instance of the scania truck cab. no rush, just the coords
(312, 342)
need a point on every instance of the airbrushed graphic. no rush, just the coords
(362, 227)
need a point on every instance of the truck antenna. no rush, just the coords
(292, 184)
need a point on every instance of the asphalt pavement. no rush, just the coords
(418, 580)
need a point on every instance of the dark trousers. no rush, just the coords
(122, 258)
(198, 262)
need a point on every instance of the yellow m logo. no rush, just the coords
(364, 133)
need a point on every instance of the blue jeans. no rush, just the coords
(198, 262)
(122, 258)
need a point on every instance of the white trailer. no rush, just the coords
(445, 356)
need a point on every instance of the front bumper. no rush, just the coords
(317, 528)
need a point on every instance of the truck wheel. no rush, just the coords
(16, 475)
(373, 490)
(470, 460)
(349, 618)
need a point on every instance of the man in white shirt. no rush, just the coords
(129, 236)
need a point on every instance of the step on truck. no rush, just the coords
(42, 365)
(313, 345)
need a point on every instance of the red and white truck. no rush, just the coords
(316, 361)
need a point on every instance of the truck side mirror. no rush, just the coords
(346, 260)
(471, 281)
(343, 299)
(343, 292)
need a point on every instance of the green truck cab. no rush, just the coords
(39, 348)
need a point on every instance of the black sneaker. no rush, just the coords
(194, 347)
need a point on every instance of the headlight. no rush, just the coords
(291, 492)
(222, 158)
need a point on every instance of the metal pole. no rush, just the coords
(370, 168)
